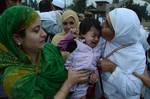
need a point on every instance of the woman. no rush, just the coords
(122, 55)
(70, 22)
(32, 69)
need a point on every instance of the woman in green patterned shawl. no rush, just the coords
(32, 68)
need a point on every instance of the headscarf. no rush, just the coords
(21, 78)
(127, 30)
(121, 83)
(70, 13)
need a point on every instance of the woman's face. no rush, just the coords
(107, 29)
(34, 37)
(92, 37)
(68, 24)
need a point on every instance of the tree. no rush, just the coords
(78, 5)
(147, 1)
(139, 9)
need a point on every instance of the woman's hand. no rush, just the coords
(75, 76)
(106, 65)
(145, 78)
(74, 32)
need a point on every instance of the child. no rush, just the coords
(85, 54)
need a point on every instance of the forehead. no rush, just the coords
(69, 19)
(36, 22)
(94, 31)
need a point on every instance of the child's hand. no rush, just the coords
(75, 76)
(74, 32)
(93, 78)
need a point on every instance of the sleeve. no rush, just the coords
(65, 44)
(122, 78)
(127, 84)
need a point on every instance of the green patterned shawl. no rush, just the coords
(22, 79)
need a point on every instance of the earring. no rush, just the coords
(19, 43)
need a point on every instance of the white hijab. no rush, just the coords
(126, 26)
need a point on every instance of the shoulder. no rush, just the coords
(50, 48)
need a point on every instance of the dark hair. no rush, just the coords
(2, 6)
(86, 25)
(21, 33)
(45, 6)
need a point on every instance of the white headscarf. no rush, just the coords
(126, 26)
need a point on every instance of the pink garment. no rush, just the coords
(65, 41)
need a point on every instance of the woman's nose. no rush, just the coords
(43, 33)
(69, 26)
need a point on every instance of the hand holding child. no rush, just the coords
(106, 65)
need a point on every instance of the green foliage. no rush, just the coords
(139, 9)
(78, 5)
(147, 1)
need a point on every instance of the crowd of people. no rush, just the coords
(52, 54)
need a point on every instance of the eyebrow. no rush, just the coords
(70, 22)
(33, 29)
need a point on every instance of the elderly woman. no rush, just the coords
(32, 69)
(123, 54)
(70, 23)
